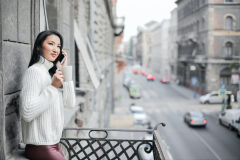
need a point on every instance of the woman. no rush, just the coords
(42, 101)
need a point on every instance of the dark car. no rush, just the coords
(194, 118)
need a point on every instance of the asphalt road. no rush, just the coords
(163, 103)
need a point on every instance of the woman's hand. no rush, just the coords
(57, 79)
(65, 61)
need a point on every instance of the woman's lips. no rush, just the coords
(54, 55)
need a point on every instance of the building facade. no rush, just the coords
(208, 42)
(173, 44)
(156, 49)
(160, 54)
(88, 30)
(143, 46)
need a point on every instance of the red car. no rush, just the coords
(165, 80)
(143, 72)
(135, 71)
(150, 77)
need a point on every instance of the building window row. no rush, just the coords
(200, 24)
(196, 26)
(192, 6)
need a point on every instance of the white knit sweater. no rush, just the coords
(42, 105)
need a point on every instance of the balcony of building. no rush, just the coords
(98, 145)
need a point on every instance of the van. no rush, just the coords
(212, 97)
(229, 117)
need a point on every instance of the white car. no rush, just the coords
(229, 117)
(126, 81)
(140, 117)
(212, 97)
(238, 127)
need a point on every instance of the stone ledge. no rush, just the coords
(19, 155)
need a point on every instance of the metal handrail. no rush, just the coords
(93, 145)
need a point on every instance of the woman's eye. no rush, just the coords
(50, 43)
(59, 46)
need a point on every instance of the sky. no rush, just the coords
(139, 12)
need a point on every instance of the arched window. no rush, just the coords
(225, 76)
(229, 23)
(228, 49)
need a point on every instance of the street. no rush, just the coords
(168, 103)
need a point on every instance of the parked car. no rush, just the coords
(166, 80)
(140, 117)
(195, 119)
(150, 77)
(126, 81)
(229, 117)
(131, 82)
(134, 91)
(238, 127)
(212, 97)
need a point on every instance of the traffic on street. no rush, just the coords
(193, 129)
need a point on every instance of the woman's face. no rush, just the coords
(51, 47)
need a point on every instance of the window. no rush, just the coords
(43, 16)
(225, 76)
(229, 23)
(229, 0)
(228, 49)
(203, 23)
(197, 26)
(203, 48)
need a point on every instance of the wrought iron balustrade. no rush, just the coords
(104, 148)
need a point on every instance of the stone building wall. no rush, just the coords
(19, 25)
(16, 37)
(205, 26)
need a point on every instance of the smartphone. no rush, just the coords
(62, 58)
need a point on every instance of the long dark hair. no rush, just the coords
(38, 44)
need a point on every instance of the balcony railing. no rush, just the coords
(104, 148)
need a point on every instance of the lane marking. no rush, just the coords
(207, 145)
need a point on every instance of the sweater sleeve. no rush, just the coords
(69, 99)
(35, 99)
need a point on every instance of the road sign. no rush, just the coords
(235, 79)
(194, 81)
(222, 93)
(223, 86)
(134, 91)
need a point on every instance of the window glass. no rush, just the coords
(229, 23)
(42, 17)
(228, 49)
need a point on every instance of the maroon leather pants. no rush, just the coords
(44, 152)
